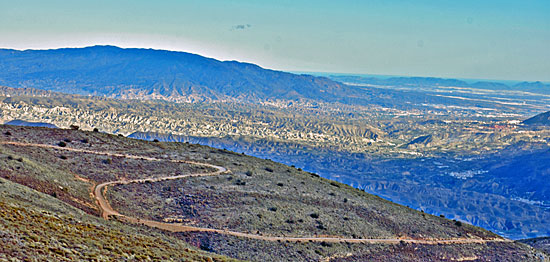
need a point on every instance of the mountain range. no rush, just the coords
(535, 87)
(184, 77)
(441, 146)
(157, 74)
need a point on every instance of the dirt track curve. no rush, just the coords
(107, 210)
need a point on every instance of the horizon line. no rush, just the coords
(293, 71)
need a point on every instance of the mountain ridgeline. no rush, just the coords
(148, 74)
(26, 123)
(534, 87)
(542, 119)
(157, 74)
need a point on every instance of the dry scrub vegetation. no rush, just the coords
(259, 196)
(38, 227)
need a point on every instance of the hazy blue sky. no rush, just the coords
(460, 38)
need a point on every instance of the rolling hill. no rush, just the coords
(252, 209)
(542, 119)
(541, 243)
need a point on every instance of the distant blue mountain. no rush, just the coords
(25, 123)
(184, 77)
(147, 73)
(535, 87)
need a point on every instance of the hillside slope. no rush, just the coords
(542, 119)
(258, 198)
(37, 226)
(541, 243)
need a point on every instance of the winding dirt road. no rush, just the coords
(107, 210)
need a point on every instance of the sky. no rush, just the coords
(499, 40)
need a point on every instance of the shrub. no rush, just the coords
(248, 173)
(280, 184)
(96, 129)
(8, 133)
(314, 215)
(334, 184)
(205, 247)
(121, 135)
(274, 209)
(443, 216)
(62, 144)
(156, 140)
(458, 223)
